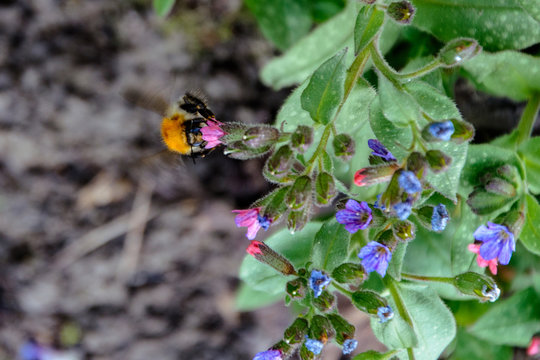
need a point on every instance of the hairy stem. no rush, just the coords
(402, 310)
(525, 126)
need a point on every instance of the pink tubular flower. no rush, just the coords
(475, 248)
(534, 346)
(211, 133)
(251, 219)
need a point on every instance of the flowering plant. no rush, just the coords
(384, 199)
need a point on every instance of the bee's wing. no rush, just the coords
(153, 101)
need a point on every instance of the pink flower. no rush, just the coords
(251, 219)
(534, 346)
(211, 133)
(475, 248)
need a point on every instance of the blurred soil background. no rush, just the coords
(108, 252)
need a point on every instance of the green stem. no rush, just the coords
(446, 280)
(525, 126)
(402, 310)
(341, 289)
(420, 72)
(383, 66)
(320, 148)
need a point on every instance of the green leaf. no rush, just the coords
(311, 51)
(481, 159)
(496, 24)
(248, 299)
(368, 23)
(531, 7)
(322, 10)
(295, 247)
(324, 92)
(283, 22)
(530, 154)
(469, 347)
(331, 246)
(447, 182)
(433, 323)
(398, 106)
(444, 254)
(506, 73)
(396, 263)
(374, 355)
(512, 321)
(163, 7)
(437, 105)
(530, 235)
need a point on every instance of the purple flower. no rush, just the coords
(441, 130)
(268, 355)
(375, 257)
(355, 216)
(211, 133)
(403, 210)
(318, 281)
(315, 346)
(252, 219)
(409, 182)
(498, 242)
(439, 218)
(349, 345)
(385, 313)
(379, 150)
(31, 350)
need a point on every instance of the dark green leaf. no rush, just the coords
(497, 25)
(331, 246)
(368, 23)
(506, 73)
(324, 92)
(511, 321)
(437, 105)
(163, 7)
(531, 7)
(283, 22)
(374, 355)
(295, 247)
(322, 10)
(398, 106)
(530, 235)
(469, 347)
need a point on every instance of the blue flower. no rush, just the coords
(375, 257)
(385, 313)
(378, 204)
(498, 242)
(318, 281)
(268, 355)
(409, 182)
(349, 345)
(379, 150)
(441, 130)
(440, 217)
(315, 346)
(403, 210)
(355, 216)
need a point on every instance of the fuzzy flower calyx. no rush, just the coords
(356, 216)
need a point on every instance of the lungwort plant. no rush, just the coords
(416, 221)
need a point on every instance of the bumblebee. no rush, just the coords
(182, 123)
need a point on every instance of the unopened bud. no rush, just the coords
(321, 329)
(481, 286)
(284, 349)
(457, 51)
(343, 329)
(266, 255)
(260, 136)
(344, 146)
(280, 162)
(501, 187)
(274, 204)
(374, 174)
(368, 301)
(514, 219)
(482, 202)
(416, 162)
(437, 160)
(349, 273)
(401, 11)
(325, 188)
(325, 302)
(302, 138)
(463, 131)
(296, 288)
(509, 173)
(296, 332)
(300, 193)
(404, 230)
(424, 215)
(296, 220)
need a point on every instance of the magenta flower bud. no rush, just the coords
(253, 220)
(212, 133)
(266, 255)
(374, 174)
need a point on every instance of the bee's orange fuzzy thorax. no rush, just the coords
(174, 135)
